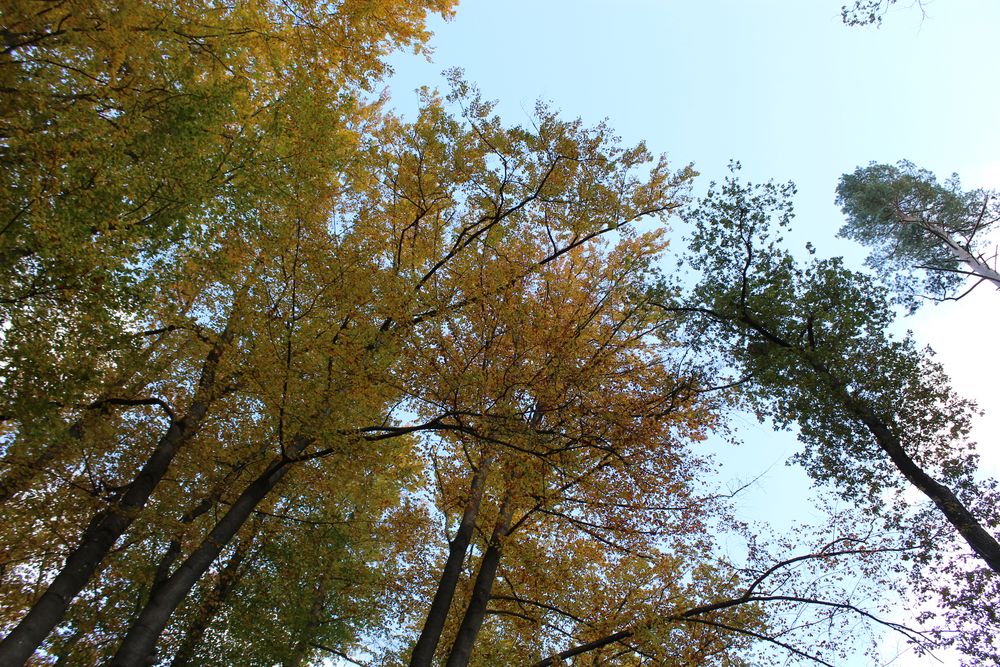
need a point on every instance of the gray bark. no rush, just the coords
(106, 527)
(140, 641)
(482, 590)
(963, 255)
(430, 635)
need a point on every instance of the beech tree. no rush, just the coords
(254, 327)
(128, 131)
(144, 149)
(287, 332)
(564, 480)
(930, 237)
(462, 238)
(563, 426)
(808, 345)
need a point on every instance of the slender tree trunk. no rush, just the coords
(140, 641)
(226, 582)
(957, 514)
(303, 643)
(461, 651)
(108, 525)
(976, 266)
(173, 551)
(977, 537)
(20, 474)
(430, 635)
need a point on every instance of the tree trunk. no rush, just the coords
(977, 267)
(225, 583)
(461, 651)
(173, 551)
(977, 537)
(430, 635)
(957, 514)
(108, 525)
(302, 644)
(140, 641)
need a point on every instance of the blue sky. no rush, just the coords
(787, 89)
(781, 85)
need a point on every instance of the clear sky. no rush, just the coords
(787, 89)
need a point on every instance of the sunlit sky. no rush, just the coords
(787, 89)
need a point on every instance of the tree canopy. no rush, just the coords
(871, 12)
(288, 377)
(930, 237)
(807, 344)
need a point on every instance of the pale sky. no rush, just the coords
(787, 89)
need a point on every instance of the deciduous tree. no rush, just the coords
(139, 143)
(809, 345)
(871, 12)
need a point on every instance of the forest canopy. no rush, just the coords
(292, 378)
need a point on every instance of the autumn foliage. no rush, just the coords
(289, 377)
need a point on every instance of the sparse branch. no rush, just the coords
(338, 653)
(135, 402)
(585, 648)
(760, 637)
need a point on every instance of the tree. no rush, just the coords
(562, 426)
(733, 613)
(131, 131)
(140, 147)
(808, 345)
(565, 481)
(326, 295)
(480, 215)
(234, 293)
(870, 12)
(930, 237)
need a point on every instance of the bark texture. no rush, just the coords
(430, 635)
(140, 641)
(461, 650)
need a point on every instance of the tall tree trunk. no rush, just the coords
(976, 266)
(140, 641)
(957, 514)
(981, 269)
(224, 584)
(954, 510)
(974, 534)
(107, 526)
(173, 551)
(20, 474)
(461, 650)
(302, 644)
(430, 635)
